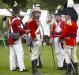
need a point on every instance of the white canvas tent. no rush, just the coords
(26, 16)
(5, 12)
(44, 18)
(76, 7)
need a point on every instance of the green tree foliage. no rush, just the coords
(22, 3)
(45, 4)
(76, 1)
(52, 4)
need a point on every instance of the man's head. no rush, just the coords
(16, 10)
(67, 13)
(36, 14)
(67, 17)
(58, 15)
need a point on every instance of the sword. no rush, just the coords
(52, 48)
(71, 62)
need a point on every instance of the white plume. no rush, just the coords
(70, 3)
(33, 6)
(58, 7)
(15, 4)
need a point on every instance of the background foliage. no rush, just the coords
(45, 4)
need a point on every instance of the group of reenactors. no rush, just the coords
(63, 37)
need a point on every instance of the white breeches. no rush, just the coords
(59, 52)
(35, 50)
(16, 56)
(70, 53)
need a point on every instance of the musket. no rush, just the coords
(71, 62)
(52, 48)
(11, 12)
(8, 9)
(13, 15)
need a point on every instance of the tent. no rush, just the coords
(5, 12)
(76, 7)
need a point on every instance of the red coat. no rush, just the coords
(61, 25)
(32, 26)
(16, 27)
(69, 34)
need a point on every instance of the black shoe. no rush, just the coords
(68, 69)
(67, 73)
(64, 65)
(74, 74)
(17, 67)
(39, 66)
(24, 70)
(60, 68)
(75, 68)
(35, 73)
(13, 70)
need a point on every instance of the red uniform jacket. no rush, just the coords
(61, 25)
(16, 27)
(69, 34)
(32, 26)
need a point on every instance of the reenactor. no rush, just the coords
(56, 30)
(35, 42)
(69, 34)
(14, 41)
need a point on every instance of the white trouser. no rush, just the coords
(16, 56)
(59, 52)
(35, 50)
(70, 53)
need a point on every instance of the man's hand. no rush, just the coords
(59, 39)
(24, 36)
(51, 41)
(27, 31)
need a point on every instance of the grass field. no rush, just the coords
(46, 57)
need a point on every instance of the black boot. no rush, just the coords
(34, 67)
(68, 69)
(75, 68)
(39, 64)
(64, 65)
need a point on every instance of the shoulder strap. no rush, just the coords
(13, 20)
(10, 22)
(42, 29)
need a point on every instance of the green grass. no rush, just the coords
(46, 57)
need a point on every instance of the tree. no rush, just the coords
(76, 1)
(22, 3)
(51, 4)
(45, 4)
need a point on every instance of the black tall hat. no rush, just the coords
(16, 8)
(66, 11)
(65, 3)
(72, 12)
(58, 13)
